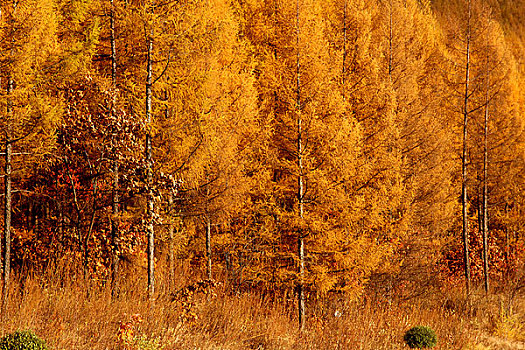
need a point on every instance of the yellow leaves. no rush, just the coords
(75, 10)
(225, 120)
(129, 335)
(323, 280)
(125, 335)
(79, 53)
(29, 51)
(30, 40)
(22, 235)
(186, 299)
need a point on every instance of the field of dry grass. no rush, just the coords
(73, 314)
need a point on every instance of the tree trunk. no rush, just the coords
(89, 233)
(149, 174)
(345, 30)
(113, 45)
(7, 203)
(485, 184)
(300, 195)
(390, 44)
(115, 169)
(208, 246)
(171, 230)
(507, 245)
(208, 230)
(60, 238)
(115, 231)
(480, 204)
(464, 178)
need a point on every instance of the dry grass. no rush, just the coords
(71, 314)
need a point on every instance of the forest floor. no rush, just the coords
(71, 314)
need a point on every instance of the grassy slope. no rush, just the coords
(68, 318)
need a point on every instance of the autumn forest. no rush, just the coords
(262, 174)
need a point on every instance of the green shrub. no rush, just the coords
(22, 340)
(420, 337)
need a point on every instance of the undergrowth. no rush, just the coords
(71, 314)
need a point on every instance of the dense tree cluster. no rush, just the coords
(321, 146)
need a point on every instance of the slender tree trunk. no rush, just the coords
(208, 231)
(171, 230)
(390, 44)
(8, 195)
(7, 203)
(507, 245)
(464, 178)
(276, 25)
(485, 183)
(149, 174)
(6, 222)
(390, 70)
(480, 204)
(300, 195)
(115, 235)
(87, 237)
(208, 246)
(79, 217)
(60, 240)
(113, 45)
(171, 215)
(345, 38)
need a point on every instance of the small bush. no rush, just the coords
(420, 337)
(510, 327)
(22, 340)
